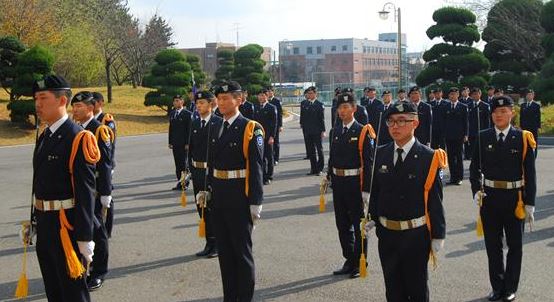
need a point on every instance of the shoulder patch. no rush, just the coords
(260, 140)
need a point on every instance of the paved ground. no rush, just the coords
(296, 248)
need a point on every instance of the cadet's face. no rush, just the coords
(49, 108)
(346, 111)
(404, 133)
(98, 106)
(178, 103)
(270, 94)
(203, 107)
(530, 96)
(414, 96)
(453, 96)
(311, 95)
(228, 104)
(81, 111)
(387, 98)
(465, 93)
(502, 116)
(262, 98)
(490, 92)
(438, 95)
(476, 95)
(371, 94)
(401, 95)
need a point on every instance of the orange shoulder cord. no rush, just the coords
(367, 129)
(248, 135)
(439, 161)
(528, 139)
(92, 155)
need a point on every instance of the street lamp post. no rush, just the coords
(384, 14)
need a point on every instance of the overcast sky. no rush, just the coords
(266, 22)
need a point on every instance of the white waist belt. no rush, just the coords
(346, 172)
(229, 174)
(502, 184)
(402, 225)
(53, 205)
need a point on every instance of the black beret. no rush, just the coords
(413, 89)
(453, 89)
(345, 97)
(491, 88)
(498, 90)
(270, 88)
(367, 89)
(347, 90)
(85, 97)
(311, 88)
(264, 90)
(204, 95)
(529, 91)
(501, 101)
(51, 83)
(337, 90)
(401, 90)
(228, 87)
(97, 96)
(386, 92)
(475, 89)
(401, 108)
(178, 96)
(436, 90)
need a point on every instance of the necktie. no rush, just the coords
(46, 136)
(399, 160)
(225, 128)
(386, 107)
(453, 107)
(500, 138)
(203, 124)
(344, 130)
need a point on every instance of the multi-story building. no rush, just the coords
(208, 55)
(335, 61)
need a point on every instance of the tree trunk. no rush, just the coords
(109, 80)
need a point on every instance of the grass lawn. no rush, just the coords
(131, 116)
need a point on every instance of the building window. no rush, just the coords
(296, 50)
(210, 56)
(333, 48)
(318, 50)
(309, 50)
(344, 47)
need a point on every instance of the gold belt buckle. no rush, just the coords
(341, 172)
(500, 184)
(221, 174)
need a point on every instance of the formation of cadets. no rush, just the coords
(230, 147)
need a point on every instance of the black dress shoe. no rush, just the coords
(510, 297)
(205, 252)
(458, 183)
(267, 182)
(495, 296)
(306, 158)
(94, 284)
(355, 273)
(212, 253)
(177, 187)
(345, 270)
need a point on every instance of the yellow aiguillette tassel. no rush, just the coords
(183, 194)
(202, 226)
(362, 264)
(22, 289)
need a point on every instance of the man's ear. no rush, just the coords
(416, 123)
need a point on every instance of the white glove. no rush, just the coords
(437, 245)
(255, 211)
(202, 198)
(87, 249)
(106, 201)
(27, 234)
(365, 199)
(476, 197)
(369, 226)
(530, 214)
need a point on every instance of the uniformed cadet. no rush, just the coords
(277, 103)
(236, 179)
(302, 104)
(423, 131)
(374, 107)
(108, 120)
(364, 98)
(479, 119)
(203, 130)
(312, 121)
(490, 94)
(408, 226)
(82, 107)
(384, 135)
(266, 114)
(246, 108)
(455, 132)
(360, 115)
(464, 96)
(64, 188)
(350, 175)
(179, 132)
(437, 108)
(502, 172)
(530, 116)
(402, 95)
(215, 107)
